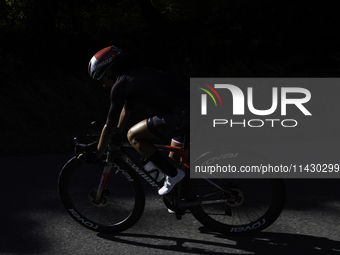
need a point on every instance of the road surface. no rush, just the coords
(33, 220)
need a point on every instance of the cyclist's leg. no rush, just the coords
(170, 126)
(166, 126)
(140, 138)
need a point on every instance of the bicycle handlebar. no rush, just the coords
(79, 147)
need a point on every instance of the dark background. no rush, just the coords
(47, 96)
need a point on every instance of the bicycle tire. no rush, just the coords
(256, 207)
(123, 201)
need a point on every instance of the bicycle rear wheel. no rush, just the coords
(122, 202)
(258, 204)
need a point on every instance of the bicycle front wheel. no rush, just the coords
(121, 204)
(257, 204)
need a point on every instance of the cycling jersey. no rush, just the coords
(156, 90)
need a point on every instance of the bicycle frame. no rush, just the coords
(119, 149)
(126, 156)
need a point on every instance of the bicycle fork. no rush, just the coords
(104, 180)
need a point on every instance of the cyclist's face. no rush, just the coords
(108, 83)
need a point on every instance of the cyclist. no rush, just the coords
(148, 86)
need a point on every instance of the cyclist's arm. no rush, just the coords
(104, 140)
(117, 117)
(123, 120)
(108, 132)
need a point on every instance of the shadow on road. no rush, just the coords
(262, 243)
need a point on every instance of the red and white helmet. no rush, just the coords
(102, 61)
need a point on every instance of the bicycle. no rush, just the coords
(109, 197)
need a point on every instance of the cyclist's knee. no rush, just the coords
(134, 135)
(140, 132)
(134, 131)
(131, 136)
